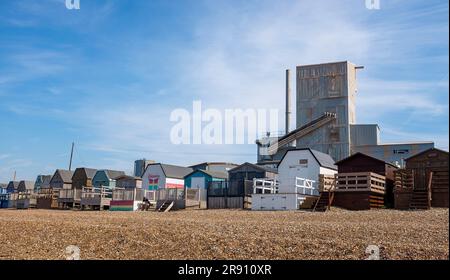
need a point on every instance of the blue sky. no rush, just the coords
(108, 75)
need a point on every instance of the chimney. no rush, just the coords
(288, 100)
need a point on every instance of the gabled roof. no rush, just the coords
(123, 176)
(3, 186)
(25, 185)
(323, 159)
(13, 184)
(89, 172)
(112, 174)
(262, 168)
(362, 154)
(65, 175)
(214, 174)
(172, 171)
(426, 151)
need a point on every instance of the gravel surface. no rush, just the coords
(224, 234)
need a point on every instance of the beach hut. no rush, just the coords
(128, 194)
(26, 197)
(12, 192)
(167, 183)
(42, 181)
(355, 175)
(424, 181)
(196, 184)
(82, 178)
(298, 182)
(48, 194)
(100, 194)
(236, 191)
(4, 197)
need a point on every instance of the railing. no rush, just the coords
(327, 183)
(305, 186)
(360, 181)
(120, 194)
(170, 194)
(74, 194)
(96, 192)
(404, 180)
(265, 186)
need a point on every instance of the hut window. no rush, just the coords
(401, 151)
(432, 155)
(303, 163)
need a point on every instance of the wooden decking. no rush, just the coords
(360, 182)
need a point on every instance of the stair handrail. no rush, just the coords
(429, 189)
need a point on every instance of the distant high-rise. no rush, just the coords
(140, 165)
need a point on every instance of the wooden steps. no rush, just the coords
(308, 202)
(166, 206)
(324, 202)
(419, 200)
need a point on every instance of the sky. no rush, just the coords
(108, 76)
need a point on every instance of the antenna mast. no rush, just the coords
(71, 156)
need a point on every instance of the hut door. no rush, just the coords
(198, 183)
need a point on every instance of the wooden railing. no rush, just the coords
(265, 186)
(74, 194)
(120, 194)
(327, 183)
(360, 181)
(430, 180)
(404, 180)
(96, 192)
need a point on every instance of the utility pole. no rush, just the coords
(71, 156)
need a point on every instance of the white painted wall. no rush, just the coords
(274, 202)
(290, 168)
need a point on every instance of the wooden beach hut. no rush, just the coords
(26, 197)
(82, 178)
(12, 191)
(424, 181)
(4, 197)
(237, 190)
(48, 194)
(196, 185)
(360, 182)
(99, 196)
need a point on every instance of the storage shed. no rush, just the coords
(429, 183)
(362, 163)
(298, 181)
(127, 194)
(167, 182)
